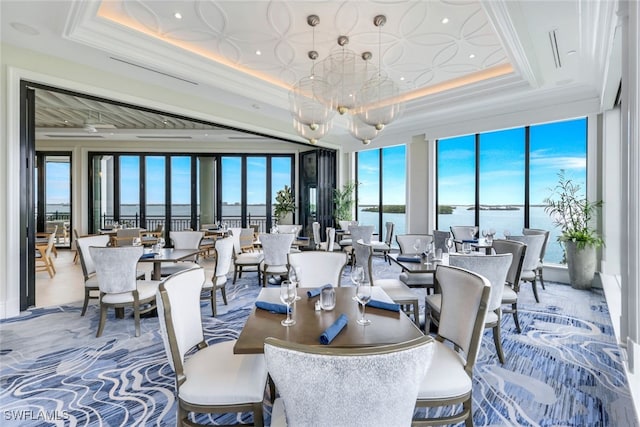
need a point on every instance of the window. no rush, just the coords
(484, 180)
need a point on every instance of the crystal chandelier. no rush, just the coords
(346, 83)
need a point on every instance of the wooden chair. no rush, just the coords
(275, 250)
(44, 261)
(529, 273)
(545, 233)
(384, 246)
(318, 268)
(512, 287)
(210, 379)
(247, 259)
(125, 236)
(223, 254)
(449, 377)
(183, 240)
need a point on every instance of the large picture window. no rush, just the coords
(498, 180)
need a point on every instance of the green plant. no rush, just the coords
(285, 202)
(343, 201)
(573, 213)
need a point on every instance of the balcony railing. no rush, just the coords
(179, 223)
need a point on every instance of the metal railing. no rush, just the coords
(179, 223)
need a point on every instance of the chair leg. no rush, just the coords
(258, 417)
(75, 258)
(223, 291)
(235, 274)
(534, 285)
(136, 318)
(541, 278)
(214, 302)
(498, 342)
(86, 301)
(181, 416)
(272, 389)
(103, 319)
(466, 406)
(514, 310)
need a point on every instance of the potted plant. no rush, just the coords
(343, 203)
(285, 206)
(573, 213)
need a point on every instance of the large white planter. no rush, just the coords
(286, 219)
(581, 264)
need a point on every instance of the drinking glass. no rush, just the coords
(417, 245)
(357, 276)
(363, 296)
(507, 234)
(466, 247)
(449, 243)
(287, 296)
(473, 231)
(160, 242)
(294, 278)
(328, 298)
(136, 241)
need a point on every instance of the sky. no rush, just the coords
(553, 146)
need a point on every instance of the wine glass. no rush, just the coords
(363, 296)
(507, 234)
(160, 242)
(449, 243)
(136, 241)
(293, 278)
(417, 245)
(473, 231)
(288, 296)
(357, 276)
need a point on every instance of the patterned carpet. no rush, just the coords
(563, 370)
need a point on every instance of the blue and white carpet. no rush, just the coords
(564, 369)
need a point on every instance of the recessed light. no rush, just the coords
(472, 56)
(24, 29)
(177, 15)
(258, 52)
(401, 79)
(445, 20)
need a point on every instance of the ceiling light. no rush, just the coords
(258, 52)
(177, 15)
(347, 83)
(24, 29)
(445, 20)
(472, 56)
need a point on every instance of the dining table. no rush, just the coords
(166, 255)
(418, 263)
(386, 327)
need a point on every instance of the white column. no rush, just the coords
(207, 190)
(630, 319)
(419, 193)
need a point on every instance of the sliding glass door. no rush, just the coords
(53, 195)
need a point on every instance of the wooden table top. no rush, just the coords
(387, 327)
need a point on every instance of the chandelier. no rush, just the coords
(348, 84)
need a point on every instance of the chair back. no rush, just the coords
(492, 267)
(178, 301)
(116, 267)
(440, 240)
(318, 268)
(51, 241)
(363, 254)
(462, 232)
(406, 242)
(186, 239)
(316, 383)
(389, 227)
(315, 227)
(345, 225)
(224, 256)
(235, 232)
(276, 247)
(295, 229)
(361, 232)
(86, 261)
(517, 251)
(536, 231)
(246, 239)
(331, 238)
(534, 244)
(463, 310)
(125, 236)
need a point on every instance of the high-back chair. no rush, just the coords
(534, 244)
(88, 267)
(318, 268)
(212, 379)
(331, 240)
(448, 381)
(545, 233)
(44, 260)
(316, 383)
(116, 274)
(290, 228)
(275, 249)
(245, 257)
(125, 236)
(223, 253)
(384, 246)
(183, 240)
(358, 232)
(495, 268)
(406, 243)
(463, 232)
(440, 240)
(315, 227)
(512, 287)
(399, 292)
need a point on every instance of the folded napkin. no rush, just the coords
(470, 241)
(408, 258)
(316, 291)
(303, 238)
(384, 305)
(148, 255)
(330, 333)
(272, 307)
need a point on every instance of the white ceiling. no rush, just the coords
(490, 57)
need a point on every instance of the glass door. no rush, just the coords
(53, 196)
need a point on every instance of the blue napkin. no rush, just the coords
(272, 307)
(148, 255)
(408, 258)
(330, 333)
(316, 291)
(303, 238)
(384, 305)
(470, 241)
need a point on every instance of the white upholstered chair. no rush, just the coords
(448, 381)
(211, 379)
(384, 246)
(116, 274)
(318, 268)
(183, 240)
(245, 256)
(545, 233)
(325, 386)
(223, 254)
(529, 273)
(88, 267)
(463, 232)
(295, 229)
(495, 268)
(512, 287)
(397, 291)
(440, 240)
(406, 243)
(275, 249)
